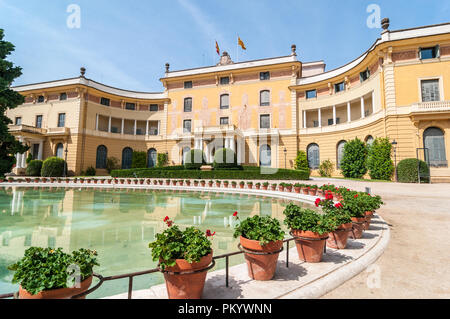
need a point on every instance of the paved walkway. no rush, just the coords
(416, 263)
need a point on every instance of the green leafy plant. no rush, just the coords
(225, 158)
(139, 159)
(34, 168)
(263, 229)
(90, 171)
(379, 161)
(53, 167)
(407, 171)
(162, 159)
(326, 168)
(301, 161)
(305, 219)
(29, 158)
(191, 244)
(112, 163)
(45, 268)
(353, 164)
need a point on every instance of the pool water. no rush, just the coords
(118, 224)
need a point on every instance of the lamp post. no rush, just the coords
(65, 162)
(394, 145)
(285, 152)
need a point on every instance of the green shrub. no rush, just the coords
(53, 167)
(90, 171)
(34, 168)
(29, 158)
(353, 164)
(263, 229)
(326, 168)
(306, 219)
(162, 159)
(139, 160)
(379, 162)
(407, 171)
(194, 159)
(225, 158)
(112, 163)
(301, 161)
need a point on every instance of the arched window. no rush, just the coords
(265, 155)
(60, 150)
(434, 141)
(340, 153)
(127, 158)
(224, 101)
(369, 140)
(186, 150)
(264, 98)
(313, 156)
(151, 158)
(102, 152)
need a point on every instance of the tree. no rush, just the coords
(301, 161)
(353, 163)
(9, 99)
(379, 161)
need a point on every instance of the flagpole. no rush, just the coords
(237, 50)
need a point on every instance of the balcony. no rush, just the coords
(27, 129)
(56, 131)
(435, 106)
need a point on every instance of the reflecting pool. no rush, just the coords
(119, 224)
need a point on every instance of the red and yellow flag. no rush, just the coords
(241, 43)
(217, 48)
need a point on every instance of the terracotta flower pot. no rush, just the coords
(95, 181)
(160, 182)
(195, 183)
(241, 186)
(305, 191)
(264, 188)
(62, 293)
(167, 183)
(210, 184)
(312, 191)
(187, 286)
(289, 189)
(338, 239)
(261, 267)
(369, 216)
(217, 184)
(122, 181)
(281, 188)
(174, 183)
(297, 190)
(225, 184)
(250, 186)
(203, 184)
(358, 227)
(188, 183)
(310, 248)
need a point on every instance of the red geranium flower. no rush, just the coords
(208, 233)
(166, 219)
(235, 214)
(318, 202)
(338, 205)
(170, 223)
(356, 196)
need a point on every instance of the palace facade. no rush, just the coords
(266, 110)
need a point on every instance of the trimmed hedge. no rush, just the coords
(379, 160)
(407, 171)
(353, 164)
(245, 174)
(301, 161)
(225, 158)
(34, 168)
(139, 160)
(53, 167)
(194, 159)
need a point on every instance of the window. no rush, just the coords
(434, 141)
(264, 121)
(429, 53)
(39, 121)
(339, 87)
(41, 99)
(224, 101)
(104, 101)
(18, 121)
(313, 156)
(127, 158)
(225, 80)
(311, 94)
(340, 153)
(364, 75)
(114, 129)
(224, 121)
(102, 153)
(369, 140)
(130, 106)
(154, 107)
(151, 158)
(63, 96)
(264, 98)
(330, 121)
(61, 119)
(188, 104)
(188, 85)
(60, 150)
(263, 76)
(35, 151)
(265, 156)
(315, 123)
(187, 126)
(430, 90)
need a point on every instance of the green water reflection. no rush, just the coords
(119, 224)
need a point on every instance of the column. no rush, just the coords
(123, 126)
(159, 128)
(334, 115)
(349, 112)
(18, 160)
(24, 160)
(96, 122)
(146, 128)
(373, 102)
(319, 111)
(40, 151)
(207, 153)
(109, 125)
(363, 115)
(135, 126)
(232, 144)
(304, 119)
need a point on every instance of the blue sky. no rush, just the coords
(126, 43)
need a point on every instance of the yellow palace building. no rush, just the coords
(266, 110)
